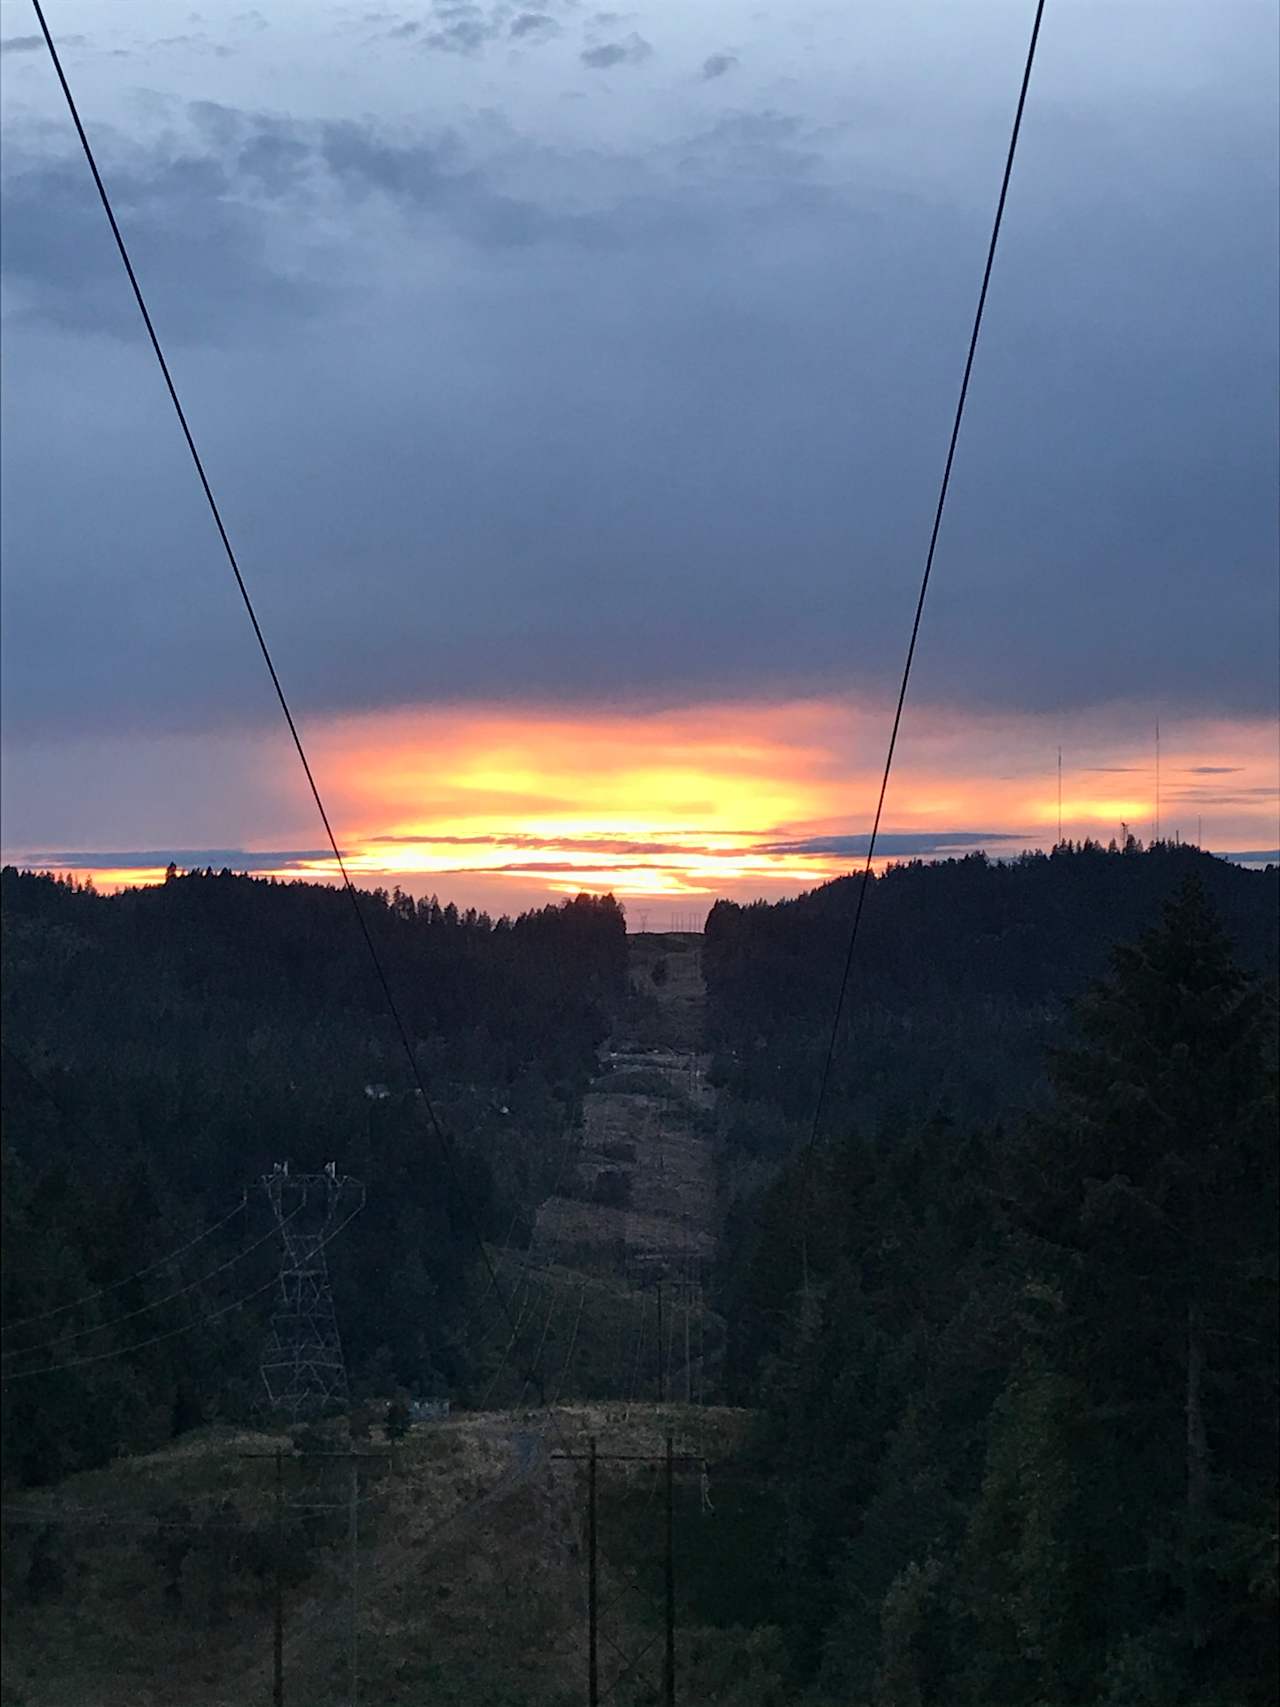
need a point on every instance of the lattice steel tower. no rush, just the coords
(303, 1369)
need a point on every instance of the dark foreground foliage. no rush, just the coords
(1021, 1378)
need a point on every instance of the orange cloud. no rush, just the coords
(504, 808)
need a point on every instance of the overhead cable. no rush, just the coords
(928, 572)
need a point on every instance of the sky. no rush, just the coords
(576, 384)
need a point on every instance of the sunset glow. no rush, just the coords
(504, 809)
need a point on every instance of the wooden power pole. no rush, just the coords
(355, 1578)
(277, 1632)
(593, 1662)
(662, 1378)
(669, 1459)
(669, 1657)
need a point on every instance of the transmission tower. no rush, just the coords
(303, 1369)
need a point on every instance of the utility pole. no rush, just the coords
(355, 1578)
(671, 1335)
(669, 1657)
(688, 1367)
(702, 1345)
(669, 1459)
(662, 1383)
(277, 1688)
(593, 1666)
(1059, 796)
(277, 1634)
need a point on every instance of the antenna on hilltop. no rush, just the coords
(1059, 842)
(1157, 779)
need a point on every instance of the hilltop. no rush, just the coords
(964, 975)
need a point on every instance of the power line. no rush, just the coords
(573, 1340)
(928, 571)
(31, 1078)
(532, 1375)
(635, 1369)
(89, 1519)
(172, 1333)
(145, 1309)
(526, 1308)
(438, 1130)
(138, 1274)
(473, 1311)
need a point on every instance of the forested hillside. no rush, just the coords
(1018, 1367)
(164, 1047)
(963, 972)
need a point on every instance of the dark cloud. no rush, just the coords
(200, 222)
(434, 178)
(186, 859)
(570, 844)
(462, 35)
(201, 247)
(761, 147)
(891, 843)
(634, 50)
(656, 854)
(35, 44)
(496, 416)
(716, 66)
(1206, 797)
(1212, 770)
(533, 26)
(455, 26)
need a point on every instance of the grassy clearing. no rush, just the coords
(470, 1572)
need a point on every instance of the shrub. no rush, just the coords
(612, 1188)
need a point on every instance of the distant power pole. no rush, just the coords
(669, 1460)
(669, 1656)
(355, 1577)
(688, 1366)
(277, 1608)
(302, 1365)
(662, 1384)
(593, 1660)
(1157, 779)
(702, 1345)
(353, 1536)
(1059, 796)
